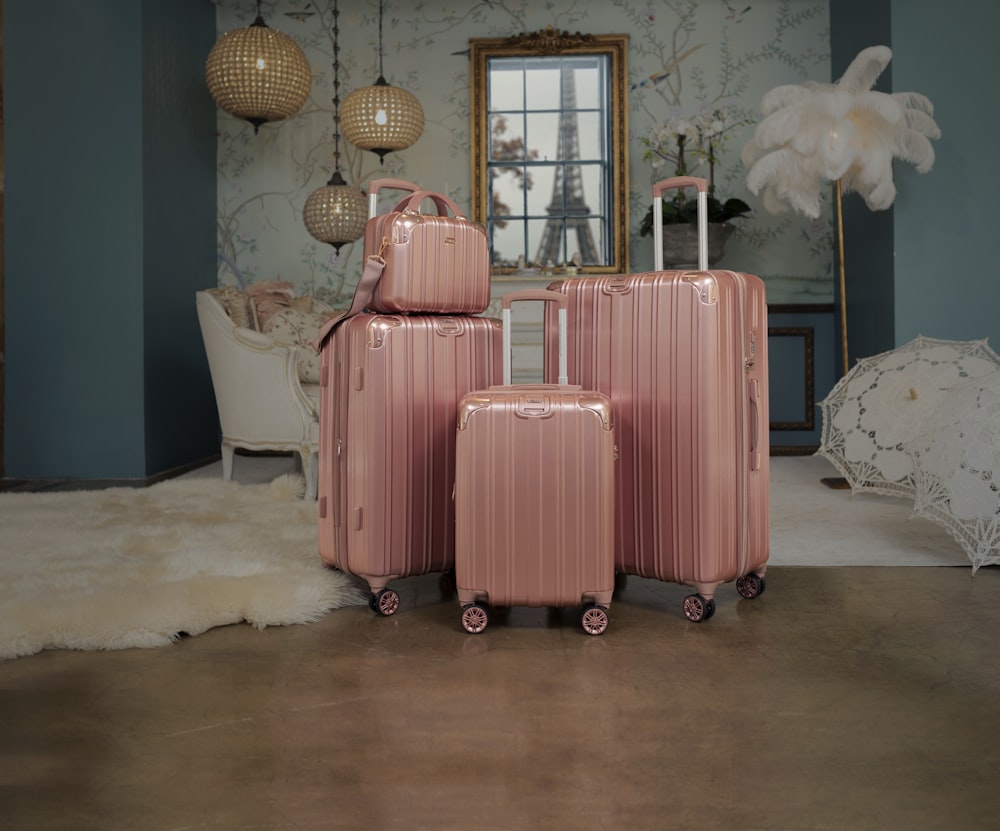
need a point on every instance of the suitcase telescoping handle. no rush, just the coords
(375, 185)
(672, 184)
(534, 294)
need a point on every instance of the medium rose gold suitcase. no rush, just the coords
(433, 263)
(683, 357)
(390, 388)
(534, 496)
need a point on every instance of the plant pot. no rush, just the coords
(680, 244)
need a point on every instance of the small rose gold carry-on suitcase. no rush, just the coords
(436, 263)
(683, 357)
(534, 509)
(390, 385)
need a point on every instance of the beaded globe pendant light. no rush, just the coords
(382, 118)
(258, 74)
(336, 213)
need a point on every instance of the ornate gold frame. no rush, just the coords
(551, 41)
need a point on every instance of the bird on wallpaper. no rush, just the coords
(664, 73)
(845, 131)
(734, 14)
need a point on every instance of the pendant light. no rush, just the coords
(336, 213)
(258, 74)
(382, 118)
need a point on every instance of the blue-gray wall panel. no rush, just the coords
(73, 242)
(109, 219)
(179, 209)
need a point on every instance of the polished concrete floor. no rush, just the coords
(841, 698)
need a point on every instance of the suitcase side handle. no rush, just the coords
(375, 185)
(548, 297)
(680, 182)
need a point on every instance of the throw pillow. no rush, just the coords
(237, 305)
(293, 327)
(268, 298)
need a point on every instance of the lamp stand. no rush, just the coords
(842, 280)
(839, 482)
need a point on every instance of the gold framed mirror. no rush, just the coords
(549, 131)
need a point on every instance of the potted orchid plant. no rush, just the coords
(685, 145)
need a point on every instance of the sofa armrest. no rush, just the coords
(256, 381)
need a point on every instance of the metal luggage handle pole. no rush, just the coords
(546, 296)
(375, 185)
(680, 182)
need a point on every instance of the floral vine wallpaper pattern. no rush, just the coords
(685, 57)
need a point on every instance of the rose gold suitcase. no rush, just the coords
(390, 387)
(433, 263)
(534, 496)
(683, 357)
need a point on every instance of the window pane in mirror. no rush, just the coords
(506, 84)
(507, 244)
(507, 191)
(542, 84)
(591, 141)
(543, 136)
(540, 195)
(592, 185)
(546, 241)
(597, 229)
(588, 84)
(506, 136)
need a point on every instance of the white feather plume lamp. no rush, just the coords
(843, 132)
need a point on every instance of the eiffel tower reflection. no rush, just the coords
(568, 180)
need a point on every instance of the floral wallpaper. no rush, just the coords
(687, 59)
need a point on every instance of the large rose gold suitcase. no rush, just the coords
(433, 262)
(390, 388)
(534, 508)
(683, 357)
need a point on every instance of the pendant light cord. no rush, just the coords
(336, 88)
(381, 74)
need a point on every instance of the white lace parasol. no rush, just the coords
(956, 465)
(886, 400)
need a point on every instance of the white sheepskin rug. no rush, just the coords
(139, 567)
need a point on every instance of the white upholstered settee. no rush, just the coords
(264, 372)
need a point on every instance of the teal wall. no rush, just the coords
(923, 267)
(946, 282)
(109, 138)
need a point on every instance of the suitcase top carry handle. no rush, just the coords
(442, 202)
(534, 294)
(680, 182)
(375, 185)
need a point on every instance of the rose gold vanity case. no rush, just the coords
(534, 496)
(390, 388)
(683, 357)
(434, 262)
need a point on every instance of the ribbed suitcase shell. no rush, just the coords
(437, 264)
(390, 389)
(683, 357)
(534, 497)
